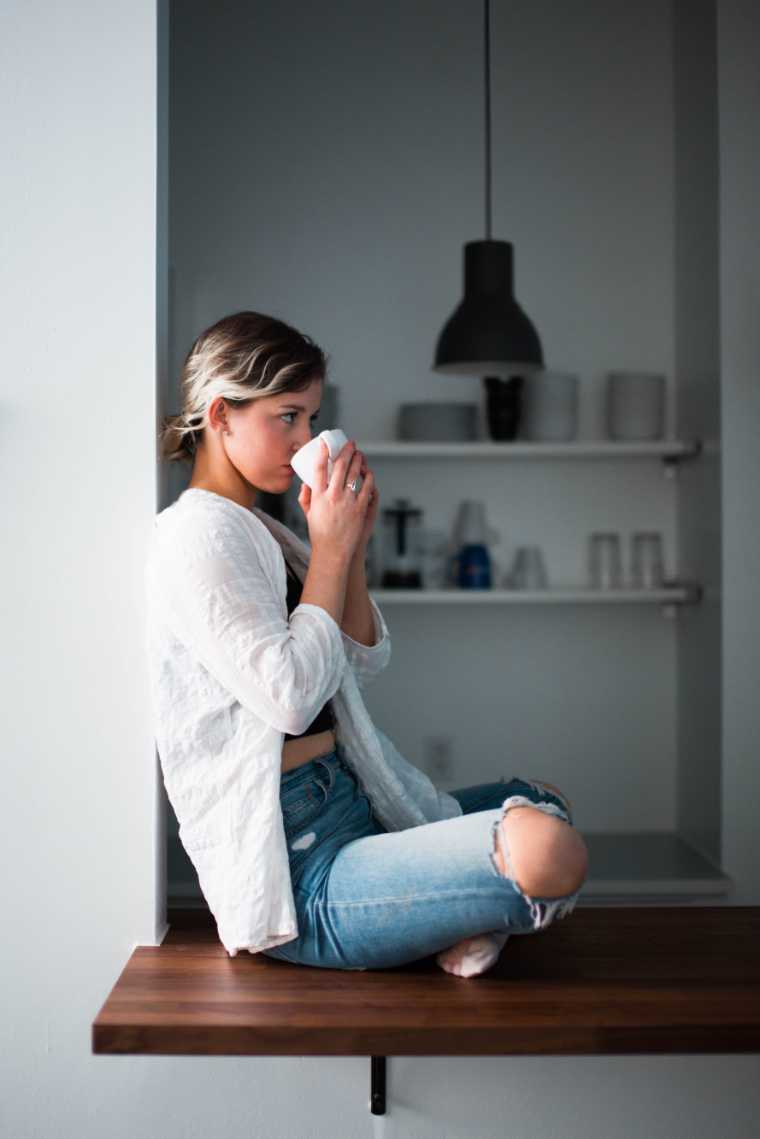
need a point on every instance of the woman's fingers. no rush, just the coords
(340, 466)
(367, 483)
(349, 454)
(304, 498)
(345, 458)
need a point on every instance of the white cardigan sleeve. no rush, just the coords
(221, 603)
(367, 661)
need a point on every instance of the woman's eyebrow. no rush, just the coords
(297, 407)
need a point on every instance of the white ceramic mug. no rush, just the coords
(635, 405)
(304, 460)
(549, 407)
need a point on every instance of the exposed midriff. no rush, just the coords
(296, 752)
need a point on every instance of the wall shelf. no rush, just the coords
(578, 449)
(670, 451)
(575, 595)
(669, 598)
(652, 866)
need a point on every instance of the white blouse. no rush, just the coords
(230, 674)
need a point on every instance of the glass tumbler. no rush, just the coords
(432, 547)
(646, 560)
(605, 565)
(529, 569)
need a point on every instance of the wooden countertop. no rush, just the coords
(633, 979)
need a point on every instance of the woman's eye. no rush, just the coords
(287, 413)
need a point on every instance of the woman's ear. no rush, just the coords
(217, 415)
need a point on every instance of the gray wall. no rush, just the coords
(79, 86)
(697, 374)
(327, 167)
(739, 71)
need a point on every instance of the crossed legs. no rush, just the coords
(548, 858)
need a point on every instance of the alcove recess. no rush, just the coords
(660, 758)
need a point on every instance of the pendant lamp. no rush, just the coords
(488, 332)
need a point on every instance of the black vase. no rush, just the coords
(504, 406)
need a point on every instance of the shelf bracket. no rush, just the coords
(671, 463)
(377, 1085)
(671, 608)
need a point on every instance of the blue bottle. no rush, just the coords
(474, 567)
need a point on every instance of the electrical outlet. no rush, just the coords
(438, 755)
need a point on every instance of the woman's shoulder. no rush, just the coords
(201, 524)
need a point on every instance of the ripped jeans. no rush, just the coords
(367, 898)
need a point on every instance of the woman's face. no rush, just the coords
(266, 433)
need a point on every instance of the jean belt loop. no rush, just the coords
(330, 769)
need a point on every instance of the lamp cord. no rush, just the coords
(488, 118)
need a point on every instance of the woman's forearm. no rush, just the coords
(358, 621)
(326, 582)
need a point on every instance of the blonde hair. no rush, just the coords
(242, 357)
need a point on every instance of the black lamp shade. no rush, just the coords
(488, 333)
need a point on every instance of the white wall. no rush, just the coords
(82, 866)
(78, 86)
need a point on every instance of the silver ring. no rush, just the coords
(355, 485)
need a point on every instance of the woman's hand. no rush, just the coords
(338, 509)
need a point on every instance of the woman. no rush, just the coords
(315, 841)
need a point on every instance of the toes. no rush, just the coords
(471, 956)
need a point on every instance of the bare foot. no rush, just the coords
(473, 955)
